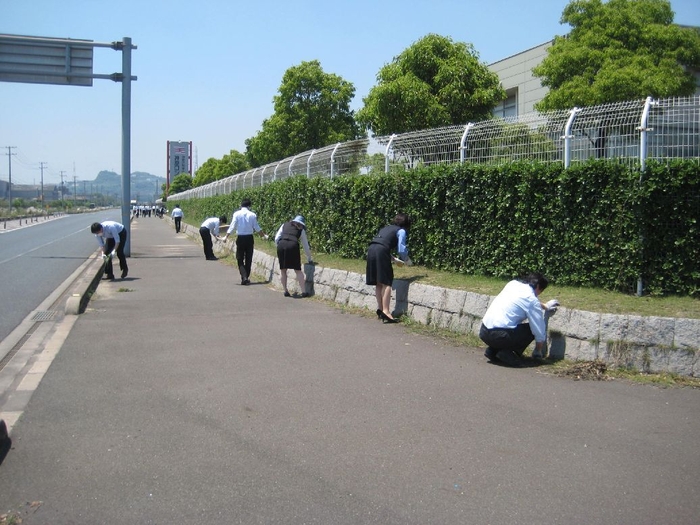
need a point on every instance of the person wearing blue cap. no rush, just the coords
(287, 240)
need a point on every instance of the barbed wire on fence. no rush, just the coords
(632, 131)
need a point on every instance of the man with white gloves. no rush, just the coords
(503, 327)
(111, 236)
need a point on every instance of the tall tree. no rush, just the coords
(180, 183)
(234, 162)
(217, 169)
(205, 173)
(435, 82)
(619, 50)
(312, 110)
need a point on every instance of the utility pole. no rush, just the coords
(74, 190)
(9, 160)
(43, 206)
(62, 204)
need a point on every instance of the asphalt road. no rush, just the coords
(36, 259)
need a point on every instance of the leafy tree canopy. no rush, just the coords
(180, 183)
(215, 169)
(619, 50)
(312, 110)
(205, 173)
(435, 82)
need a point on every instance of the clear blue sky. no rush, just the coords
(207, 71)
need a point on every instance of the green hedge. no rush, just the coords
(597, 224)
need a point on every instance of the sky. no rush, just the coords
(208, 70)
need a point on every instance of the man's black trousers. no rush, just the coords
(109, 246)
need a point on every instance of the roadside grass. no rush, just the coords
(578, 298)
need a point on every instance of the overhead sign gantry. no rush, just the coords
(65, 61)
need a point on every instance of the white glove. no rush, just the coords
(266, 237)
(408, 261)
(552, 305)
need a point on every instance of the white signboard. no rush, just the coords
(178, 158)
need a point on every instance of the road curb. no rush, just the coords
(84, 286)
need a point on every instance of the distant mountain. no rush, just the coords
(145, 187)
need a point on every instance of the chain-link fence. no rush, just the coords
(631, 132)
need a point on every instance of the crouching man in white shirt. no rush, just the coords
(503, 327)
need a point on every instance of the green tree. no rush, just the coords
(312, 110)
(205, 173)
(214, 169)
(435, 82)
(180, 183)
(234, 162)
(619, 50)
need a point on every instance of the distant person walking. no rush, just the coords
(210, 227)
(177, 217)
(245, 222)
(111, 236)
(287, 239)
(380, 271)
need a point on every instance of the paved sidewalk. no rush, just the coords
(181, 396)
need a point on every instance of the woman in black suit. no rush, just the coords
(380, 271)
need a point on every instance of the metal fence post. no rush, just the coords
(333, 159)
(308, 164)
(386, 153)
(289, 170)
(463, 142)
(643, 129)
(568, 136)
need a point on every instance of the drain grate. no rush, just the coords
(44, 316)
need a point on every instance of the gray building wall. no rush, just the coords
(522, 88)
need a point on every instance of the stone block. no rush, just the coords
(576, 323)
(687, 334)
(476, 304)
(454, 301)
(420, 314)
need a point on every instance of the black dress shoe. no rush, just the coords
(510, 358)
(490, 354)
(304, 295)
(125, 273)
(287, 294)
(108, 278)
(387, 319)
